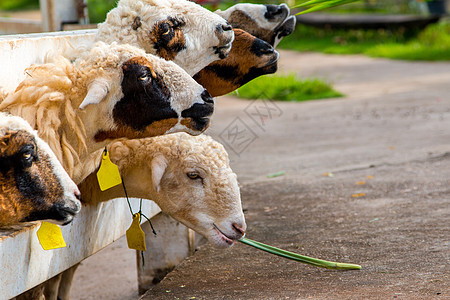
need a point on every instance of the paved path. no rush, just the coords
(393, 125)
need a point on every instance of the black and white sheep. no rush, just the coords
(111, 92)
(33, 184)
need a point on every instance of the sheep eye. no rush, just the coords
(27, 156)
(193, 175)
(143, 78)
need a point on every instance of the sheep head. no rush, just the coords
(154, 97)
(266, 21)
(177, 30)
(250, 57)
(33, 184)
(189, 178)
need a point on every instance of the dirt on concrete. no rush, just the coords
(391, 131)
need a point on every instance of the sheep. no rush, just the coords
(189, 177)
(177, 30)
(33, 184)
(267, 22)
(80, 107)
(250, 57)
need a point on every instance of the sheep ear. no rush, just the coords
(97, 91)
(159, 165)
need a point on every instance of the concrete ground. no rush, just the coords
(366, 181)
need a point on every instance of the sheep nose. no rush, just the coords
(227, 27)
(207, 97)
(260, 47)
(239, 228)
(267, 50)
(274, 10)
(224, 27)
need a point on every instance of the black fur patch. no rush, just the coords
(146, 99)
(223, 71)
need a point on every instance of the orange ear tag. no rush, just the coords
(108, 174)
(135, 235)
(50, 236)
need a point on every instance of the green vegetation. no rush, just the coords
(286, 88)
(433, 43)
(97, 9)
(19, 4)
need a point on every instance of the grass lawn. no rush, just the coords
(18, 4)
(286, 88)
(432, 44)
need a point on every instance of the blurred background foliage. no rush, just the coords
(431, 43)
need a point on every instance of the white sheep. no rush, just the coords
(189, 177)
(33, 184)
(266, 21)
(112, 91)
(177, 30)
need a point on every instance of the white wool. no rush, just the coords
(156, 168)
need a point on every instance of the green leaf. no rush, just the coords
(315, 5)
(301, 258)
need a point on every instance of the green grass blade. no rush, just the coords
(301, 258)
(315, 5)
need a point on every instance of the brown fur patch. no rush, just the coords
(168, 38)
(155, 129)
(139, 60)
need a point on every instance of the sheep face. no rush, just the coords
(267, 22)
(177, 30)
(250, 57)
(33, 184)
(155, 97)
(189, 178)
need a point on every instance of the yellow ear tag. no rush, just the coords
(108, 175)
(135, 235)
(50, 236)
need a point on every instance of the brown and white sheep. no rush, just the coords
(177, 30)
(266, 21)
(250, 57)
(33, 184)
(111, 92)
(189, 177)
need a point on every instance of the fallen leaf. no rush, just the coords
(358, 195)
(360, 182)
(281, 173)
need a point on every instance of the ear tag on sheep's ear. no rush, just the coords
(135, 235)
(50, 236)
(108, 175)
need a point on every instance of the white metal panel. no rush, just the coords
(17, 52)
(24, 264)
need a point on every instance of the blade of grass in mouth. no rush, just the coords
(301, 258)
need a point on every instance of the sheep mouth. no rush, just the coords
(223, 51)
(228, 240)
